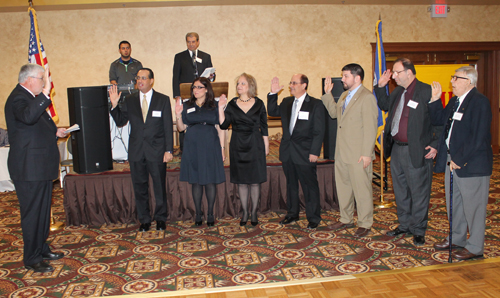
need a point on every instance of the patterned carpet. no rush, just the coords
(116, 259)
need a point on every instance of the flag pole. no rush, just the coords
(54, 225)
(379, 69)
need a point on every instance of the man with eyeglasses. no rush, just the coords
(124, 69)
(33, 161)
(410, 139)
(464, 145)
(150, 144)
(188, 65)
(303, 124)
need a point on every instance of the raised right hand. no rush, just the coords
(436, 91)
(178, 107)
(275, 85)
(384, 78)
(114, 96)
(222, 101)
(328, 85)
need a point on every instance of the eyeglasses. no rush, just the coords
(137, 78)
(37, 78)
(454, 78)
(398, 72)
(295, 83)
(197, 87)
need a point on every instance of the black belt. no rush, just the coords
(400, 143)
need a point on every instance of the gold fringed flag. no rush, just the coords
(36, 54)
(379, 70)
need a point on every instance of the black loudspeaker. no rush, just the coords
(88, 107)
(330, 139)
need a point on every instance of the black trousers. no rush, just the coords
(35, 199)
(140, 171)
(306, 174)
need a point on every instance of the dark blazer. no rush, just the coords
(421, 133)
(33, 154)
(184, 69)
(470, 141)
(307, 137)
(153, 138)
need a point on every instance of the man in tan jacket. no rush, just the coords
(356, 112)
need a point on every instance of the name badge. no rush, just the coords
(412, 104)
(198, 60)
(191, 110)
(156, 113)
(303, 115)
(457, 116)
(185, 99)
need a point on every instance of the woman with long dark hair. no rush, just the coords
(249, 143)
(202, 162)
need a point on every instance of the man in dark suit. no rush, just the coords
(188, 65)
(465, 145)
(33, 161)
(303, 123)
(150, 144)
(411, 141)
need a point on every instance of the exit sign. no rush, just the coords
(439, 10)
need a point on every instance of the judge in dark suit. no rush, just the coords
(33, 161)
(465, 145)
(303, 123)
(412, 138)
(188, 65)
(150, 144)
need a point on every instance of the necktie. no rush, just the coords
(397, 115)
(144, 108)
(346, 102)
(194, 64)
(450, 119)
(293, 117)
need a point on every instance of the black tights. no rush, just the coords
(211, 192)
(254, 190)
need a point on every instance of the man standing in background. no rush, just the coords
(124, 69)
(188, 65)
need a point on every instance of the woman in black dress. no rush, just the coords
(202, 162)
(249, 142)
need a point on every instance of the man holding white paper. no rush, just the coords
(189, 65)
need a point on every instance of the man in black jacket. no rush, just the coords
(33, 161)
(465, 145)
(303, 123)
(410, 140)
(150, 144)
(189, 65)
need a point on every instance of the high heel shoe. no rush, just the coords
(198, 222)
(244, 222)
(256, 222)
(210, 220)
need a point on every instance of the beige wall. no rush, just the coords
(265, 41)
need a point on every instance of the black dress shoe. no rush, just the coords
(418, 240)
(40, 267)
(288, 220)
(312, 225)
(144, 227)
(52, 256)
(396, 232)
(254, 223)
(160, 225)
(243, 223)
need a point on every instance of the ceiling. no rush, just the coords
(22, 5)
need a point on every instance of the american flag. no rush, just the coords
(36, 54)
